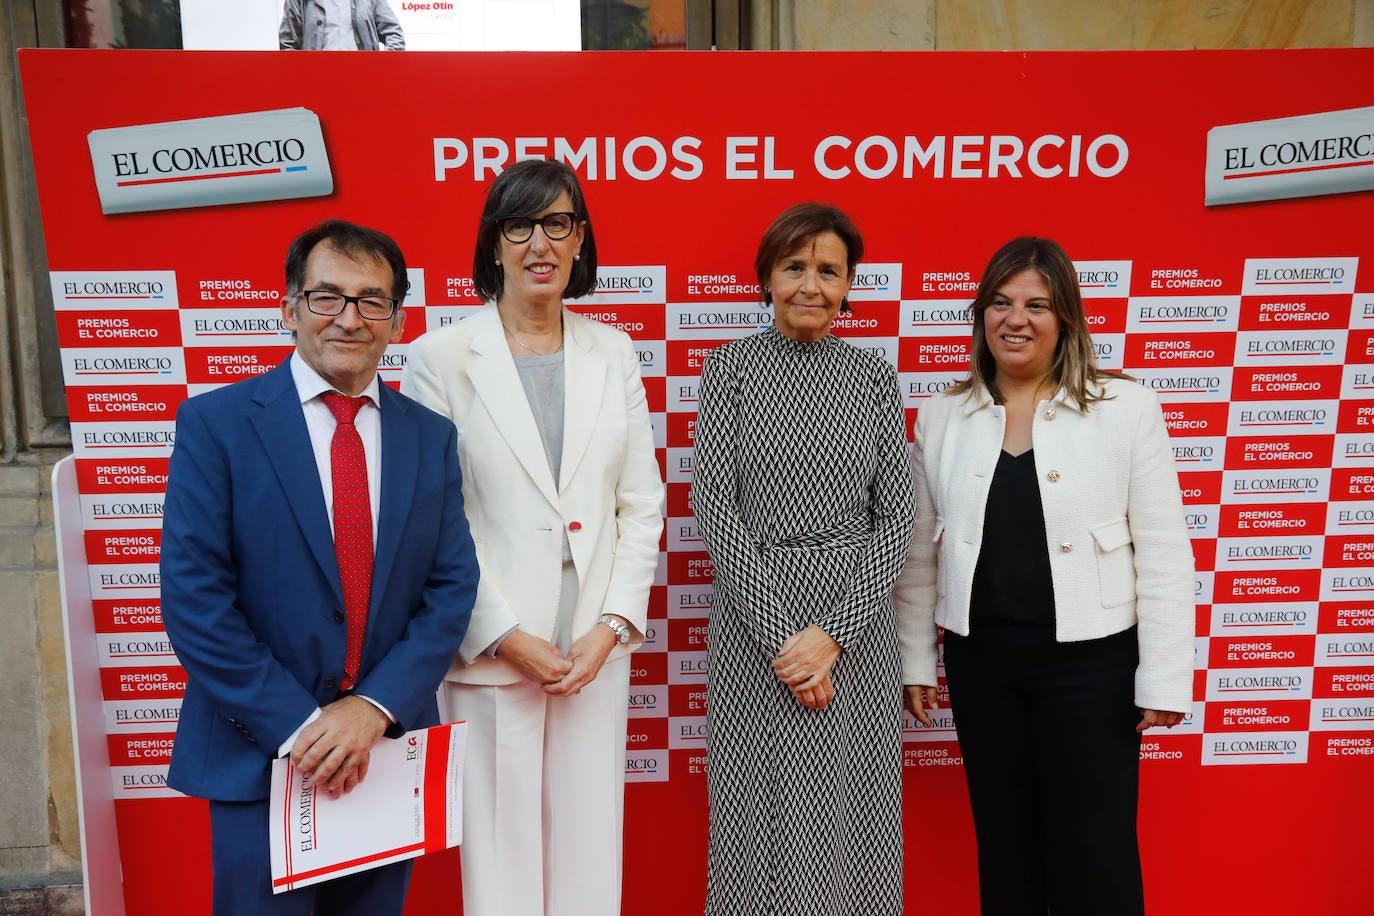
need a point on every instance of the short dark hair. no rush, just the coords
(349, 239)
(796, 226)
(523, 189)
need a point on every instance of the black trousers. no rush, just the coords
(1052, 759)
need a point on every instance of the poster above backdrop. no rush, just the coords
(427, 25)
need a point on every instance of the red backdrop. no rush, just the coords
(1254, 321)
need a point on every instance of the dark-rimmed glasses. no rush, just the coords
(519, 229)
(326, 303)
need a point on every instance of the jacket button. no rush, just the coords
(1050, 413)
(338, 616)
(331, 683)
(1052, 477)
(574, 526)
(1066, 547)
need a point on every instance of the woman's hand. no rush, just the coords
(806, 659)
(817, 697)
(586, 656)
(1149, 718)
(536, 659)
(917, 698)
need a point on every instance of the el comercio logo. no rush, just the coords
(203, 162)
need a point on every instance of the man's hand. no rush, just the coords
(334, 750)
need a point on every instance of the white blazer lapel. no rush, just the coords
(584, 380)
(498, 386)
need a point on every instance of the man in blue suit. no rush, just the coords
(252, 594)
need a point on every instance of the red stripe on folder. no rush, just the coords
(398, 852)
(436, 788)
(286, 810)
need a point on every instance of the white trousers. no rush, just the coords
(543, 796)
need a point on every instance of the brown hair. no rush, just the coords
(797, 225)
(1075, 366)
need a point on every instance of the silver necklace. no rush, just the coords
(516, 338)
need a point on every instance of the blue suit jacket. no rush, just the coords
(251, 596)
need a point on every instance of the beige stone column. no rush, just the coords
(39, 837)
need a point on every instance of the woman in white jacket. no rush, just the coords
(1052, 548)
(563, 495)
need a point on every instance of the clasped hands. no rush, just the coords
(803, 664)
(559, 675)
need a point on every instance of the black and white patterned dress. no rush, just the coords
(802, 491)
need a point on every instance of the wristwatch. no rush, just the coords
(621, 630)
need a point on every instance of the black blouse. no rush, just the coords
(1012, 582)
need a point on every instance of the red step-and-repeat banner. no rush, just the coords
(1217, 205)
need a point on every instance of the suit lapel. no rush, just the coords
(493, 375)
(280, 425)
(400, 467)
(584, 381)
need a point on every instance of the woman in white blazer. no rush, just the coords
(1052, 548)
(563, 495)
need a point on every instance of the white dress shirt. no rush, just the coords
(320, 423)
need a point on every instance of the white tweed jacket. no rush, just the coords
(1114, 527)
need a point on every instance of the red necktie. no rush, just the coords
(352, 524)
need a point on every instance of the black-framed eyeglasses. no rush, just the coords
(327, 303)
(556, 226)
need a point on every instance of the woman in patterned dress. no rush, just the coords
(803, 495)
